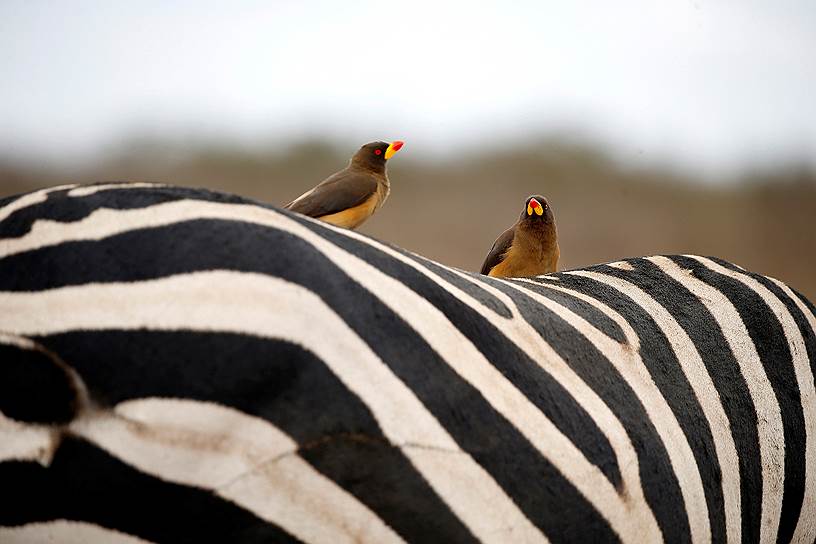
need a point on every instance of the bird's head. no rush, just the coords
(374, 155)
(537, 209)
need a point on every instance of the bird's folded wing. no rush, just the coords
(335, 195)
(499, 249)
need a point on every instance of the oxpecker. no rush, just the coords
(528, 248)
(348, 197)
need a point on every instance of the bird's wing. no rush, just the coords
(339, 192)
(499, 249)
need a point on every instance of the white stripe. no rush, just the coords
(270, 307)
(806, 527)
(23, 442)
(769, 419)
(104, 222)
(17, 341)
(626, 359)
(242, 458)
(194, 443)
(621, 265)
(704, 390)
(65, 532)
(86, 190)
(29, 199)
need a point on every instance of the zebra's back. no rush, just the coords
(182, 365)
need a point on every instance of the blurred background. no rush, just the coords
(652, 127)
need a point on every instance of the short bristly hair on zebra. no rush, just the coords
(183, 365)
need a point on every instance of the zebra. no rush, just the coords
(186, 365)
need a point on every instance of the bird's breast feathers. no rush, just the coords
(353, 217)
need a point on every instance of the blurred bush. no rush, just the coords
(451, 210)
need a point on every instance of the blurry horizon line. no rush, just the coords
(187, 143)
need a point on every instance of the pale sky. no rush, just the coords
(708, 85)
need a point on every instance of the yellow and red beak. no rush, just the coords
(534, 206)
(393, 148)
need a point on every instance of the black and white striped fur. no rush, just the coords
(180, 365)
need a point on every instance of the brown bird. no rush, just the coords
(348, 197)
(528, 248)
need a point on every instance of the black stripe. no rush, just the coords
(555, 505)
(273, 379)
(84, 483)
(145, 254)
(804, 300)
(660, 360)
(280, 382)
(594, 316)
(769, 339)
(6, 201)
(725, 373)
(660, 485)
(35, 386)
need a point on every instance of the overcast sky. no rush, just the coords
(705, 84)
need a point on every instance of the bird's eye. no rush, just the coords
(378, 151)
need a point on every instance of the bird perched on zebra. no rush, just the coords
(348, 197)
(178, 365)
(529, 247)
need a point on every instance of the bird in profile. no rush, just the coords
(348, 197)
(528, 248)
